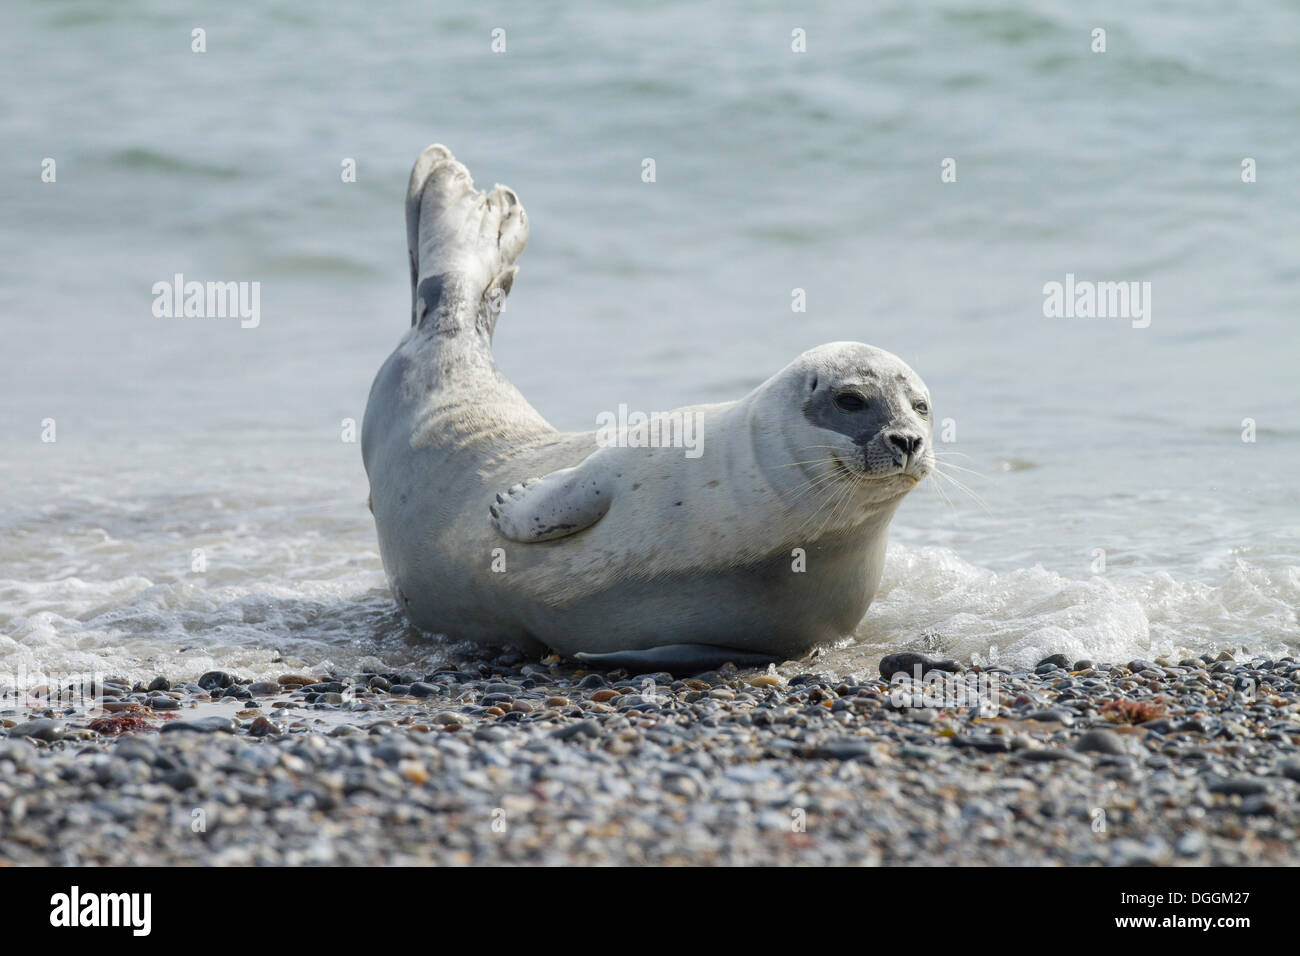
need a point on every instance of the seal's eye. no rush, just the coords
(922, 408)
(850, 402)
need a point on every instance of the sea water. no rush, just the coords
(185, 493)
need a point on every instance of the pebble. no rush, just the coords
(261, 726)
(681, 784)
(582, 728)
(842, 750)
(1191, 844)
(1100, 741)
(1056, 715)
(1239, 786)
(595, 768)
(907, 662)
(215, 679)
(46, 730)
(203, 725)
(180, 779)
(1047, 755)
(326, 687)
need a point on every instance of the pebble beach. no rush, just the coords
(507, 761)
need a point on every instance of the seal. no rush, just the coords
(765, 541)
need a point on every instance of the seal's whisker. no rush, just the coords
(844, 505)
(813, 485)
(834, 496)
(818, 485)
(964, 489)
(963, 468)
(943, 495)
(939, 470)
(837, 500)
(829, 475)
(808, 522)
(810, 461)
(938, 486)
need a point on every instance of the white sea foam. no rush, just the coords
(932, 598)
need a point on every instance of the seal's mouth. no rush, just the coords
(915, 472)
(910, 478)
(912, 473)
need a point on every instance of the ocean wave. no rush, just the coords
(930, 599)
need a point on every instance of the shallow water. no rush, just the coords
(775, 171)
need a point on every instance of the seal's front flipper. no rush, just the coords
(562, 503)
(678, 659)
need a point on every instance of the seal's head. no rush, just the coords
(871, 416)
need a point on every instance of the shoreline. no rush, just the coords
(1151, 762)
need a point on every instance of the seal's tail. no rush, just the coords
(462, 242)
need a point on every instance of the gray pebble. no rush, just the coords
(203, 725)
(43, 729)
(907, 662)
(1239, 786)
(1101, 742)
(582, 728)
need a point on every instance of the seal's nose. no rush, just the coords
(908, 443)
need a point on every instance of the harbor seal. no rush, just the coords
(495, 527)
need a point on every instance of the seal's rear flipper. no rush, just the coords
(424, 165)
(461, 243)
(677, 659)
(561, 504)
